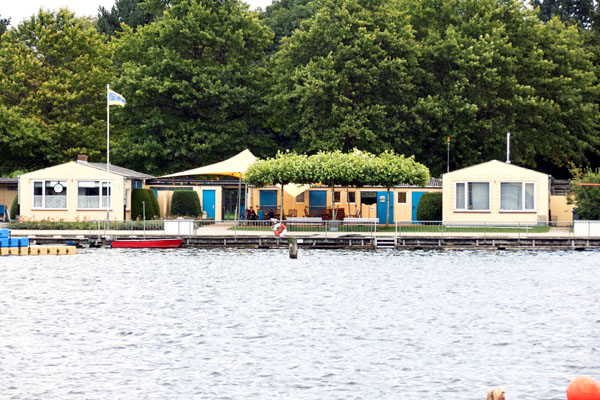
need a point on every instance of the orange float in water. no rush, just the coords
(583, 388)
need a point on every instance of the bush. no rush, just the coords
(150, 203)
(155, 206)
(430, 207)
(185, 203)
(586, 198)
(15, 210)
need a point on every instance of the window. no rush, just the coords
(472, 196)
(90, 196)
(50, 194)
(401, 197)
(301, 197)
(351, 197)
(337, 196)
(517, 196)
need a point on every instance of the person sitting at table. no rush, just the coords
(270, 214)
(251, 214)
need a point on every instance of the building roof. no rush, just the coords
(128, 173)
(9, 181)
(496, 164)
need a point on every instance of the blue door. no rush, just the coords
(317, 202)
(208, 203)
(381, 205)
(416, 196)
(268, 199)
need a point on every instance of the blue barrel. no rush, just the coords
(3, 242)
(23, 242)
(13, 242)
(3, 233)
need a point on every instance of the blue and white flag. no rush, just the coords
(115, 99)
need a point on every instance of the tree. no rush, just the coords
(193, 82)
(4, 23)
(586, 197)
(579, 11)
(129, 12)
(283, 169)
(489, 67)
(53, 73)
(344, 80)
(285, 16)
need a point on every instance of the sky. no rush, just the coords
(18, 10)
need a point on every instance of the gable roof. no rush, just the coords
(499, 164)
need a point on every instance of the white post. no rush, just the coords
(107, 154)
(508, 148)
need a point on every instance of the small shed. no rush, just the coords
(78, 190)
(496, 192)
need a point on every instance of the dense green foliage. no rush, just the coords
(193, 83)
(4, 23)
(205, 79)
(53, 73)
(185, 203)
(587, 198)
(430, 207)
(344, 80)
(129, 12)
(150, 205)
(14, 208)
(285, 16)
(579, 11)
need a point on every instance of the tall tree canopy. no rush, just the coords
(405, 75)
(491, 67)
(4, 23)
(285, 16)
(579, 11)
(132, 13)
(193, 81)
(345, 79)
(53, 73)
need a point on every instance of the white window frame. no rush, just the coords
(101, 187)
(523, 210)
(466, 194)
(63, 182)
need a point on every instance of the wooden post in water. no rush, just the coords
(293, 247)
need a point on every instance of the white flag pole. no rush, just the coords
(107, 153)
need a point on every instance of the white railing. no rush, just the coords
(314, 227)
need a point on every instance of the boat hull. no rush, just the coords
(146, 244)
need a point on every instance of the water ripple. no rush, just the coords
(253, 324)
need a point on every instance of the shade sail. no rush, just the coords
(234, 166)
(294, 190)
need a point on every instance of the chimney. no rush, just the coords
(82, 158)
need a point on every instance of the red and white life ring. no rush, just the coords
(279, 230)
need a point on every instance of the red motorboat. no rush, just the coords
(146, 244)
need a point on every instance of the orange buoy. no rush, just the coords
(583, 388)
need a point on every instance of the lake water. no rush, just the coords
(254, 324)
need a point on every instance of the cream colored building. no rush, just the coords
(366, 202)
(495, 191)
(78, 191)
